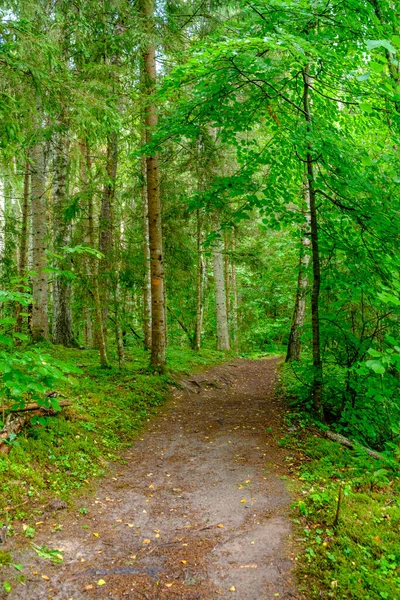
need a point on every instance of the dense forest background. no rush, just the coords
(205, 174)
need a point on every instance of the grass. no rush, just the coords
(359, 558)
(109, 409)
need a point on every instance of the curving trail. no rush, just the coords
(199, 510)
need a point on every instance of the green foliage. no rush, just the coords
(27, 374)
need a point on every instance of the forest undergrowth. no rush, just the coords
(346, 511)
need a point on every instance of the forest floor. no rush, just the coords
(196, 509)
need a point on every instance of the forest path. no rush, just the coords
(198, 511)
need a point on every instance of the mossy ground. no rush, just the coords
(109, 408)
(360, 557)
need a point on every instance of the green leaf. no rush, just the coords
(371, 44)
(7, 587)
(376, 366)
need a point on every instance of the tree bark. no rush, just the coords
(316, 267)
(62, 310)
(106, 225)
(201, 273)
(223, 342)
(235, 323)
(39, 320)
(294, 345)
(146, 259)
(23, 251)
(99, 329)
(158, 344)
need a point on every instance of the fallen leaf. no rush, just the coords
(151, 487)
(45, 578)
(88, 587)
(96, 535)
(220, 525)
(183, 562)
(101, 582)
(146, 541)
(232, 589)
(130, 524)
(169, 584)
(243, 500)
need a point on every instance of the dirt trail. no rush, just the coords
(198, 511)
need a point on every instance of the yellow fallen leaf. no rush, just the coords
(39, 523)
(130, 524)
(118, 520)
(157, 535)
(45, 578)
(146, 541)
(96, 535)
(220, 525)
(88, 587)
(101, 582)
(243, 500)
(248, 481)
(151, 487)
(34, 573)
(183, 562)
(232, 589)
(169, 584)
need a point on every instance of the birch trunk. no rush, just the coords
(223, 342)
(39, 320)
(294, 345)
(158, 344)
(62, 312)
(23, 251)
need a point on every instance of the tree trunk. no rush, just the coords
(39, 320)
(153, 197)
(220, 296)
(294, 345)
(106, 225)
(62, 311)
(316, 343)
(23, 251)
(227, 278)
(99, 329)
(235, 324)
(201, 273)
(146, 260)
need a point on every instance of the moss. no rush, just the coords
(109, 408)
(360, 557)
(5, 558)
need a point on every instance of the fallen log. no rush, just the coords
(18, 418)
(344, 441)
(35, 406)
